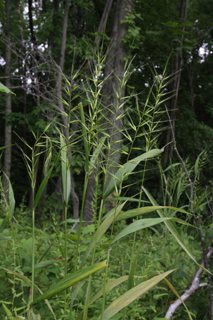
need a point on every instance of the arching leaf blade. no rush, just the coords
(173, 230)
(131, 295)
(70, 280)
(127, 169)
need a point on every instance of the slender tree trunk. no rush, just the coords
(113, 91)
(176, 70)
(114, 88)
(8, 107)
(103, 21)
(65, 118)
(22, 73)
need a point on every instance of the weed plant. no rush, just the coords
(103, 270)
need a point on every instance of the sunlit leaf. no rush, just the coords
(131, 295)
(5, 89)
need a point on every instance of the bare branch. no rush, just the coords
(195, 285)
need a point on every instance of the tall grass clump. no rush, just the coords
(81, 255)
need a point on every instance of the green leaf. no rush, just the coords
(101, 230)
(70, 221)
(7, 311)
(139, 211)
(5, 238)
(84, 133)
(175, 292)
(95, 155)
(127, 169)
(131, 295)
(44, 264)
(5, 89)
(5, 222)
(139, 225)
(70, 280)
(11, 199)
(197, 163)
(173, 230)
(109, 286)
(42, 187)
(5, 147)
(131, 278)
(66, 179)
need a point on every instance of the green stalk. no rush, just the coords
(65, 292)
(33, 254)
(81, 218)
(33, 225)
(94, 248)
(79, 233)
(104, 291)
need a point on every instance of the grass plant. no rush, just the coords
(78, 260)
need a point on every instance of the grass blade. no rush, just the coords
(139, 225)
(128, 168)
(11, 198)
(84, 133)
(173, 230)
(70, 280)
(175, 292)
(101, 230)
(66, 179)
(42, 187)
(139, 211)
(5, 89)
(131, 295)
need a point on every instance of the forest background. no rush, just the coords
(94, 85)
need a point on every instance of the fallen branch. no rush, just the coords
(195, 285)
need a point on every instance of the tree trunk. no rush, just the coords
(64, 116)
(113, 91)
(8, 108)
(103, 21)
(177, 65)
(114, 88)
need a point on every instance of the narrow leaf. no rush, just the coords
(139, 211)
(5, 238)
(131, 295)
(109, 286)
(139, 225)
(70, 280)
(44, 264)
(42, 187)
(5, 89)
(173, 230)
(66, 179)
(11, 197)
(84, 133)
(197, 163)
(101, 230)
(95, 154)
(175, 292)
(128, 168)
(7, 311)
